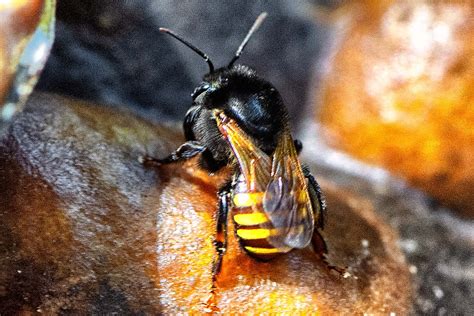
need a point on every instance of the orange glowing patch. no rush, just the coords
(12, 4)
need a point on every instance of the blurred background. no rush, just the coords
(113, 52)
(381, 92)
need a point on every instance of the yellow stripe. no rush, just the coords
(262, 251)
(247, 199)
(250, 219)
(251, 234)
(303, 197)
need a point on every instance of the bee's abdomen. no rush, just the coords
(252, 225)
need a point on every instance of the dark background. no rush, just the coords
(112, 51)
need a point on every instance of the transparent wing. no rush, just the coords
(286, 201)
(255, 165)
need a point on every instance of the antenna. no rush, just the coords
(194, 48)
(252, 30)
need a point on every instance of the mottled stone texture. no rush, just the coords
(85, 228)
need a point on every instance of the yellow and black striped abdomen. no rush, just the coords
(252, 225)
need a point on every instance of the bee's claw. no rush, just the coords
(149, 161)
(341, 271)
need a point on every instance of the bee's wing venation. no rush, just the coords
(254, 164)
(286, 201)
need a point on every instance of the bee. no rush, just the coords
(275, 204)
(238, 119)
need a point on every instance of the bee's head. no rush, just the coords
(220, 87)
(247, 98)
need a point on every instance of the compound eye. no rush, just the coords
(199, 90)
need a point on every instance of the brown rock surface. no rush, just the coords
(86, 228)
(400, 91)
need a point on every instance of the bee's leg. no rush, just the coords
(318, 203)
(221, 230)
(184, 152)
(319, 207)
(298, 146)
(189, 122)
(317, 199)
